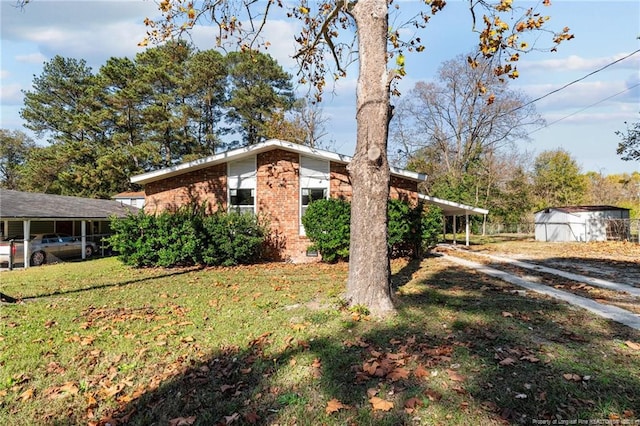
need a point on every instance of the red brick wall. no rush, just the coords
(277, 193)
(277, 196)
(340, 182)
(404, 189)
(198, 186)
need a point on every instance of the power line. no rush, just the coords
(585, 108)
(575, 81)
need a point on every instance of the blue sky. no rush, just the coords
(581, 119)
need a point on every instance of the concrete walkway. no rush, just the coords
(596, 282)
(606, 311)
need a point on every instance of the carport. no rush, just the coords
(24, 213)
(451, 208)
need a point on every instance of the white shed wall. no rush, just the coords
(576, 226)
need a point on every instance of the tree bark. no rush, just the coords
(369, 281)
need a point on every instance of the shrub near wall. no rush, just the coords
(411, 230)
(188, 237)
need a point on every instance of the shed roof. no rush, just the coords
(128, 195)
(581, 209)
(451, 208)
(36, 206)
(237, 154)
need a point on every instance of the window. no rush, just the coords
(314, 183)
(241, 181)
(242, 200)
(311, 194)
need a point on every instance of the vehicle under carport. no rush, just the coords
(27, 213)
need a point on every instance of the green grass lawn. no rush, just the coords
(99, 343)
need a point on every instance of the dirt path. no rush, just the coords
(598, 282)
(617, 301)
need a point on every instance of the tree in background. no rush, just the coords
(447, 130)
(207, 72)
(557, 180)
(629, 146)
(15, 147)
(258, 89)
(364, 23)
(167, 105)
(621, 190)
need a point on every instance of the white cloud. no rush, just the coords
(11, 93)
(583, 64)
(31, 58)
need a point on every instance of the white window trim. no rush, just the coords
(230, 207)
(324, 182)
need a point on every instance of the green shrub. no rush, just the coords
(187, 237)
(410, 230)
(232, 238)
(327, 224)
(431, 224)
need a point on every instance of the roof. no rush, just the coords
(580, 209)
(35, 206)
(128, 195)
(451, 208)
(237, 154)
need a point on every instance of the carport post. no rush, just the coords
(466, 217)
(454, 229)
(83, 232)
(26, 232)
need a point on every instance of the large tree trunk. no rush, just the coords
(369, 272)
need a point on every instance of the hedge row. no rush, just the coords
(188, 236)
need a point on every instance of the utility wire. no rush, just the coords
(585, 108)
(575, 81)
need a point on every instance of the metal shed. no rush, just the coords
(579, 223)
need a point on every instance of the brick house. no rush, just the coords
(276, 179)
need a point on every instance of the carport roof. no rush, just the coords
(35, 206)
(451, 208)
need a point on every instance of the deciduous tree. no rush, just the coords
(15, 147)
(629, 146)
(365, 23)
(557, 180)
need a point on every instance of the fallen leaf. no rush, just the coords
(380, 404)
(420, 372)
(69, 387)
(632, 345)
(507, 314)
(230, 419)
(398, 373)
(433, 395)
(371, 392)
(411, 404)
(26, 395)
(521, 396)
(530, 358)
(316, 363)
(507, 361)
(455, 376)
(225, 388)
(333, 406)
(572, 377)
(182, 421)
(252, 417)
